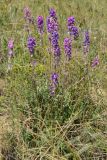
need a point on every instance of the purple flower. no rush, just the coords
(31, 43)
(95, 61)
(75, 32)
(54, 83)
(71, 21)
(52, 14)
(55, 44)
(55, 38)
(54, 78)
(40, 24)
(52, 28)
(68, 47)
(86, 42)
(11, 44)
(57, 51)
(27, 15)
(51, 25)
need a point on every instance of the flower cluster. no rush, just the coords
(71, 21)
(40, 24)
(55, 44)
(51, 25)
(68, 47)
(86, 42)
(27, 15)
(52, 14)
(73, 30)
(31, 43)
(52, 28)
(95, 61)
(54, 83)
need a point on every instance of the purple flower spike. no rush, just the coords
(54, 78)
(27, 15)
(86, 42)
(55, 44)
(40, 24)
(51, 25)
(95, 62)
(68, 47)
(75, 32)
(55, 38)
(11, 44)
(57, 51)
(52, 28)
(52, 14)
(71, 21)
(31, 43)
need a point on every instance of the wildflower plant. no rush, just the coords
(54, 113)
